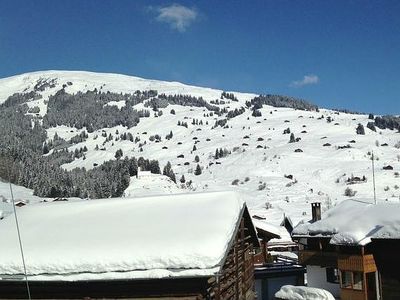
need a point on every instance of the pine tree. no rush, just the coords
(133, 167)
(169, 136)
(194, 148)
(118, 154)
(182, 180)
(167, 171)
(45, 148)
(198, 170)
(292, 138)
(216, 156)
(155, 167)
(197, 158)
(360, 129)
(371, 126)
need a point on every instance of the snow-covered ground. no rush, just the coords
(290, 292)
(261, 158)
(153, 184)
(20, 194)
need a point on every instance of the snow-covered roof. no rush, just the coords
(149, 237)
(281, 233)
(354, 222)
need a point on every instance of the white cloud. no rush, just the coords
(307, 80)
(179, 17)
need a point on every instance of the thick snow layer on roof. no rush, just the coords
(356, 222)
(281, 231)
(290, 292)
(182, 235)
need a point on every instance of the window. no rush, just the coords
(346, 280)
(358, 280)
(352, 280)
(332, 275)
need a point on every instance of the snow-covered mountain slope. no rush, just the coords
(147, 184)
(85, 81)
(275, 176)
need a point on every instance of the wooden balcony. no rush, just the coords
(318, 258)
(361, 263)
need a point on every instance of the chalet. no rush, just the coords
(144, 174)
(353, 251)
(276, 239)
(275, 265)
(186, 246)
(20, 203)
(287, 223)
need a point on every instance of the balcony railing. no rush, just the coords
(361, 263)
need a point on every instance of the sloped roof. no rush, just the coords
(150, 237)
(272, 231)
(355, 222)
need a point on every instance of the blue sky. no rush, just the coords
(337, 54)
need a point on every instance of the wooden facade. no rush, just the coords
(318, 258)
(359, 263)
(365, 272)
(234, 281)
(387, 259)
(237, 278)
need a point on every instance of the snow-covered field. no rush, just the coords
(262, 164)
(20, 194)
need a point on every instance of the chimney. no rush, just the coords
(316, 211)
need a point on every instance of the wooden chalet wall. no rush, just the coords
(179, 288)
(236, 280)
(387, 258)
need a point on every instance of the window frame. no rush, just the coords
(332, 275)
(361, 282)
(350, 279)
(352, 284)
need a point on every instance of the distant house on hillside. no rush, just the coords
(20, 203)
(145, 174)
(353, 251)
(186, 246)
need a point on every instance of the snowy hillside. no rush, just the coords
(255, 155)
